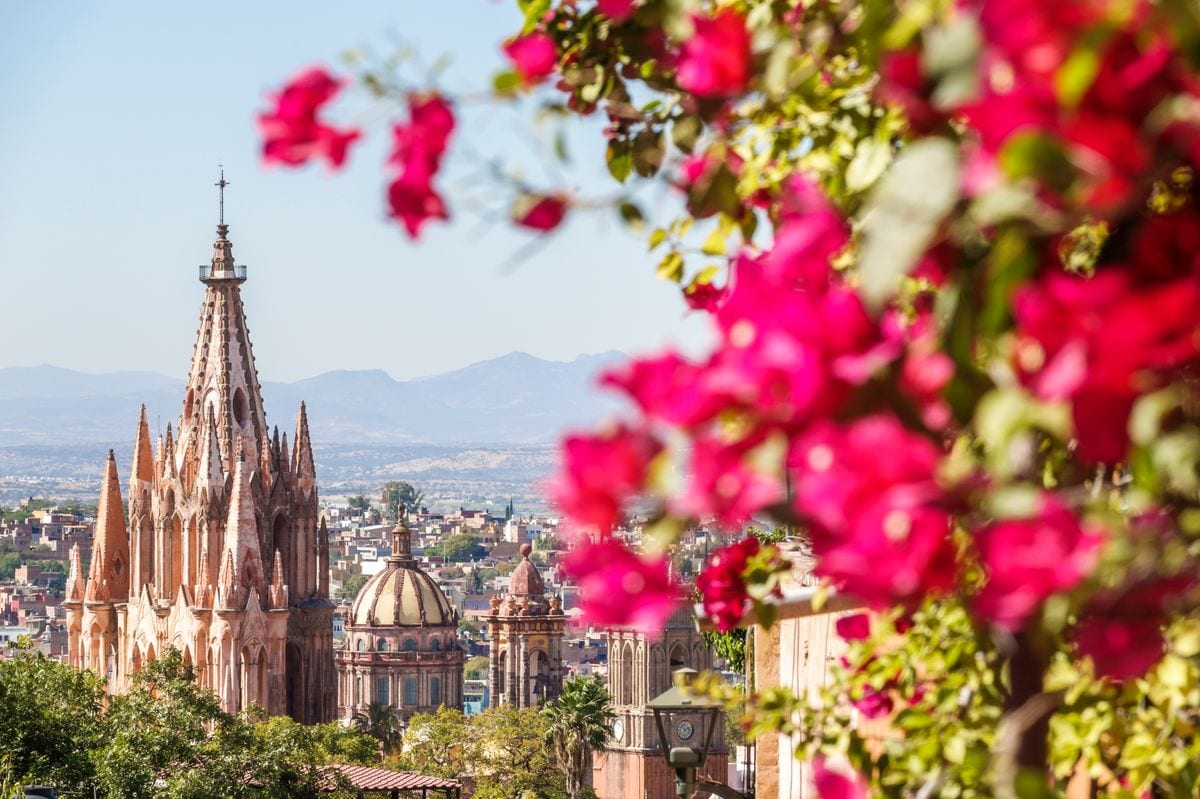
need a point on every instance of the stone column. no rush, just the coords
(522, 698)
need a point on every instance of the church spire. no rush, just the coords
(108, 580)
(143, 458)
(401, 539)
(75, 585)
(242, 560)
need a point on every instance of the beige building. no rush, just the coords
(400, 647)
(222, 557)
(525, 662)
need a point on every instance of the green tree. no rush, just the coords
(50, 720)
(578, 722)
(381, 723)
(436, 744)
(462, 548)
(399, 494)
(352, 586)
(476, 668)
(358, 503)
(508, 755)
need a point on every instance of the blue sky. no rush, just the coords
(115, 116)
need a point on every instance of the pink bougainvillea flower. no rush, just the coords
(722, 584)
(1028, 560)
(534, 56)
(292, 132)
(874, 703)
(725, 485)
(867, 509)
(1122, 631)
(856, 627)
(599, 472)
(832, 784)
(703, 296)
(618, 588)
(540, 212)
(667, 387)
(413, 203)
(1066, 347)
(616, 10)
(716, 59)
(1167, 246)
(417, 149)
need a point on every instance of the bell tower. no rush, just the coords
(526, 630)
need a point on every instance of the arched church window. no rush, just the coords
(383, 645)
(435, 691)
(239, 407)
(362, 644)
(435, 645)
(410, 645)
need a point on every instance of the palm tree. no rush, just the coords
(381, 723)
(580, 721)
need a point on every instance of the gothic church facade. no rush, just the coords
(219, 553)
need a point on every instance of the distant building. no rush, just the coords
(525, 661)
(639, 669)
(222, 557)
(400, 646)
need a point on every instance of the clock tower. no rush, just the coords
(639, 669)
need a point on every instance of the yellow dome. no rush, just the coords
(402, 595)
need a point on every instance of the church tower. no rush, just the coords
(639, 669)
(526, 630)
(222, 557)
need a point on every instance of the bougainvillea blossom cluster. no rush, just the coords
(293, 132)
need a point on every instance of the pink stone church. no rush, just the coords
(219, 553)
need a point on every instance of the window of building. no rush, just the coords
(381, 690)
(436, 645)
(410, 691)
(383, 645)
(435, 691)
(410, 645)
(362, 644)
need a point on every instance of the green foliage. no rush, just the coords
(399, 494)
(358, 503)
(476, 668)
(50, 721)
(354, 583)
(381, 723)
(462, 548)
(579, 721)
(501, 752)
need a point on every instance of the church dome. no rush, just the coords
(525, 579)
(401, 595)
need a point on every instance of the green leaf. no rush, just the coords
(1039, 156)
(1077, 74)
(871, 158)
(506, 83)
(657, 237)
(631, 215)
(715, 243)
(904, 213)
(648, 151)
(670, 267)
(534, 11)
(619, 160)
(684, 132)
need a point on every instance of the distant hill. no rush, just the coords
(516, 399)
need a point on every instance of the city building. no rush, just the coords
(526, 632)
(222, 557)
(639, 669)
(400, 646)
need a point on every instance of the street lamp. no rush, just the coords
(679, 709)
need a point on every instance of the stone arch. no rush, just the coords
(660, 675)
(382, 644)
(361, 644)
(679, 657)
(253, 662)
(539, 676)
(177, 546)
(240, 407)
(281, 543)
(626, 686)
(294, 681)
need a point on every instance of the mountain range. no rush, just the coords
(514, 400)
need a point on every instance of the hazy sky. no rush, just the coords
(115, 116)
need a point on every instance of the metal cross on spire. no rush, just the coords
(221, 184)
